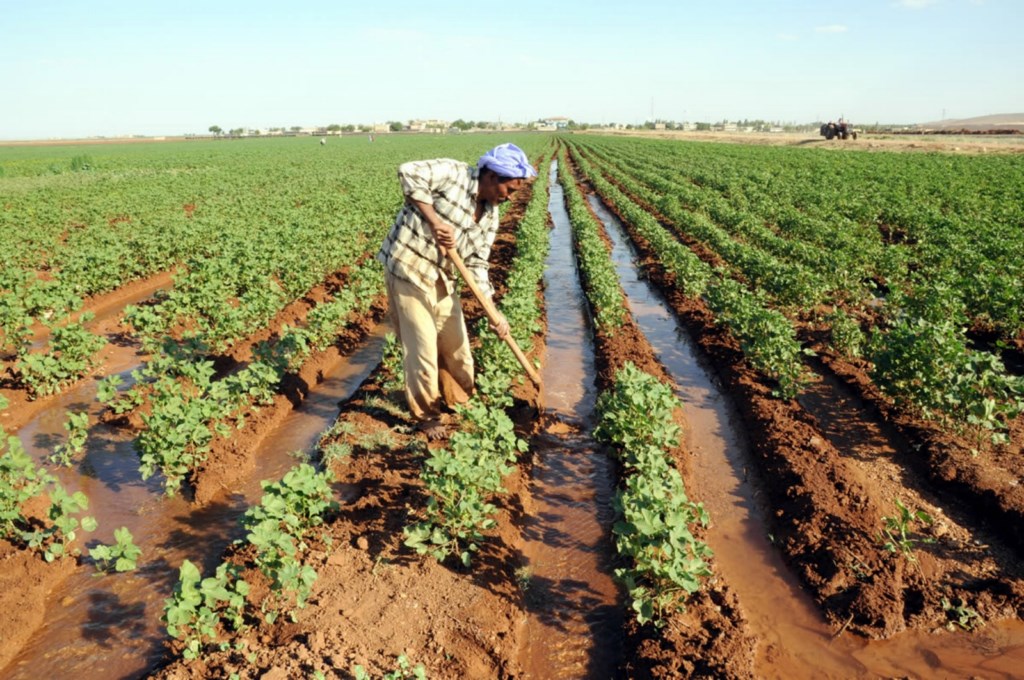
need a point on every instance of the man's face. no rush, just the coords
(497, 189)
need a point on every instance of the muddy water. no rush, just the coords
(109, 626)
(796, 642)
(575, 624)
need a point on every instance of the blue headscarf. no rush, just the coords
(507, 160)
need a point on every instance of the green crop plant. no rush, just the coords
(404, 671)
(847, 338)
(960, 615)
(391, 363)
(121, 556)
(654, 531)
(638, 413)
(70, 356)
(54, 539)
(278, 527)
(77, 426)
(766, 337)
(461, 478)
(898, 531)
(298, 502)
(599, 277)
(201, 606)
(928, 364)
(20, 480)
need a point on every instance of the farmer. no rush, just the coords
(448, 204)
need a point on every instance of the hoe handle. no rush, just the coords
(492, 314)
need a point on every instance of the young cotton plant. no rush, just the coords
(927, 363)
(461, 478)
(277, 528)
(55, 538)
(20, 481)
(122, 555)
(70, 356)
(201, 606)
(77, 427)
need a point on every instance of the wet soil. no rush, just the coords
(828, 494)
(106, 322)
(576, 611)
(231, 461)
(711, 637)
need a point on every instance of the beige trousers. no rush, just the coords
(438, 362)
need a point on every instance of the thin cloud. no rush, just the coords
(915, 4)
(831, 28)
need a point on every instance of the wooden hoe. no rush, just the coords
(492, 314)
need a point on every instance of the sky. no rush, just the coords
(113, 67)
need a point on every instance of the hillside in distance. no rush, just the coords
(1002, 121)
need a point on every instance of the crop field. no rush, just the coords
(785, 385)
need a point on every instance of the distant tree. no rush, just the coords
(365, 128)
(462, 125)
(395, 126)
(349, 128)
(334, 127)
(236, 132)
(704, 126)
(216, 130)
(295, 128)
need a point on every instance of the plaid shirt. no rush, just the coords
(409, 252)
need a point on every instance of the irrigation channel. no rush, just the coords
(109, 627)
(795, 641)
(575, 627)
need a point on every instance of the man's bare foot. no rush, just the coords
(434, 429)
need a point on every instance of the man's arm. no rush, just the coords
(443, 232)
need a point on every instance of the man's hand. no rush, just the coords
(444, 234)
(501, 328)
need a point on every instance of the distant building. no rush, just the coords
(433, 125)
(554, 123)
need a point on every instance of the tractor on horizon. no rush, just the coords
(843, 130)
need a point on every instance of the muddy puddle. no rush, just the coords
(109, 626)
(796, 642)
(575, 624)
